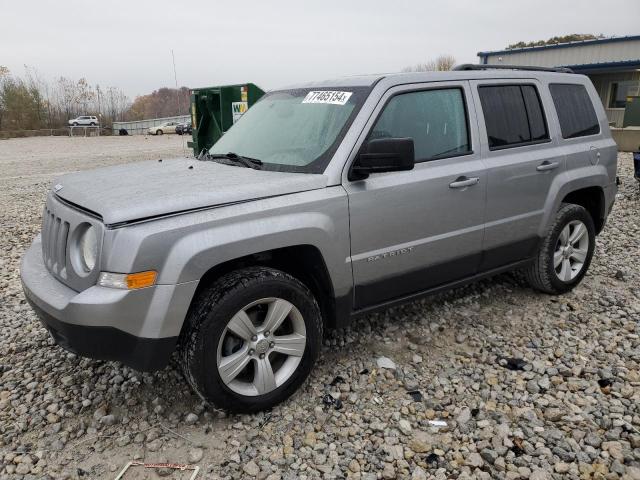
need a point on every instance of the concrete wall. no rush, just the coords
(628, 139)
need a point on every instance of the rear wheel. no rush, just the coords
(565, 253)
(251, 339)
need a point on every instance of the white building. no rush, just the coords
(613, 64)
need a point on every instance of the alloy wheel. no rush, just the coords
(261, 346)
(571, 250)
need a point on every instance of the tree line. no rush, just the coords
(29, 102)
(572, 37)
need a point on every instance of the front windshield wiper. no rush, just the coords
(248, 162)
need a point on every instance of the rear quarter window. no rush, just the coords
(575, 111)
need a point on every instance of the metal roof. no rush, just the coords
(579, 43)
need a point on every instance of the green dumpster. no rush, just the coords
(215, 109)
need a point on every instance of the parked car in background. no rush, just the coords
(326, 201)
(84, 121)
(166, 127)
(184, 128)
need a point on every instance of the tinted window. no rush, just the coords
(435, 119)
(537, 124)
(575, 111)
(513, 115)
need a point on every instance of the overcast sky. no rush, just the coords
(275, 43)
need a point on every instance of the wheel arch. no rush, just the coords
(592, 199)
(305, 262)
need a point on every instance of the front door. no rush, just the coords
(415, 230)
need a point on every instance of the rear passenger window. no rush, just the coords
(436, 120)
(513, 115)
(575, 110)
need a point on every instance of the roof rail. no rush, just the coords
(473, 66)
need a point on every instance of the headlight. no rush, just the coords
(88, 247)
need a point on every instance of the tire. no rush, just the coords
(92, 124)
(75, 124)
(159, 132)
(207, 340)
(545, 274)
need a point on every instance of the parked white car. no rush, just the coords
(166, 127)
(84, 120)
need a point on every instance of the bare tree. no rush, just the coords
(439, 64)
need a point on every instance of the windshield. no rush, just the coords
(294, 130)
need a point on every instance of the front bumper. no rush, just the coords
(136, 327)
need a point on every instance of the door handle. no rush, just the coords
(462, 182)
(544, 166)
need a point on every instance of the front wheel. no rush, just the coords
(565, 253)
(251, 339)
(159, 132)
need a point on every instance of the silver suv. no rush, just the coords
(324, 201)
(84, 120)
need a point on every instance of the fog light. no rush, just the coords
(127, 281)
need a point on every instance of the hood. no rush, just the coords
(153, 188)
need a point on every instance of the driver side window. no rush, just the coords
(436, 120)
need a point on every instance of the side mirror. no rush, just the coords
(383, 155)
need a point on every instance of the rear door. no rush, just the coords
(417, 229)
(523, 159)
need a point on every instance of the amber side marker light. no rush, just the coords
(128, 281)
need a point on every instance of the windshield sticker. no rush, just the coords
(327, 96)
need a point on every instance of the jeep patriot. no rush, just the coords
(324, 201)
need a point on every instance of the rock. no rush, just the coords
(489, 456)
(464, 416)
(385, 362)
(421, 442)
(540, 475)
(108, 420)
(191, 419)
(632, 473)
(99, 413)
(354, 466)
(418, 474)
(561, 467)
(553, 414)
(154, 445)
(310, 439)
(195, 455)
(251, 469)
(474, 460)
(405, 426)
(388, 472)
(614, 449)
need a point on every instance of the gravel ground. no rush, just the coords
(488, 381)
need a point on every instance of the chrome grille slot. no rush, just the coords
(55, 235)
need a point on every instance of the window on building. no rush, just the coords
(513, 115)
(575, 110)
(436, 120)
(620, 91)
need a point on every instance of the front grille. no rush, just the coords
(55, 236)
